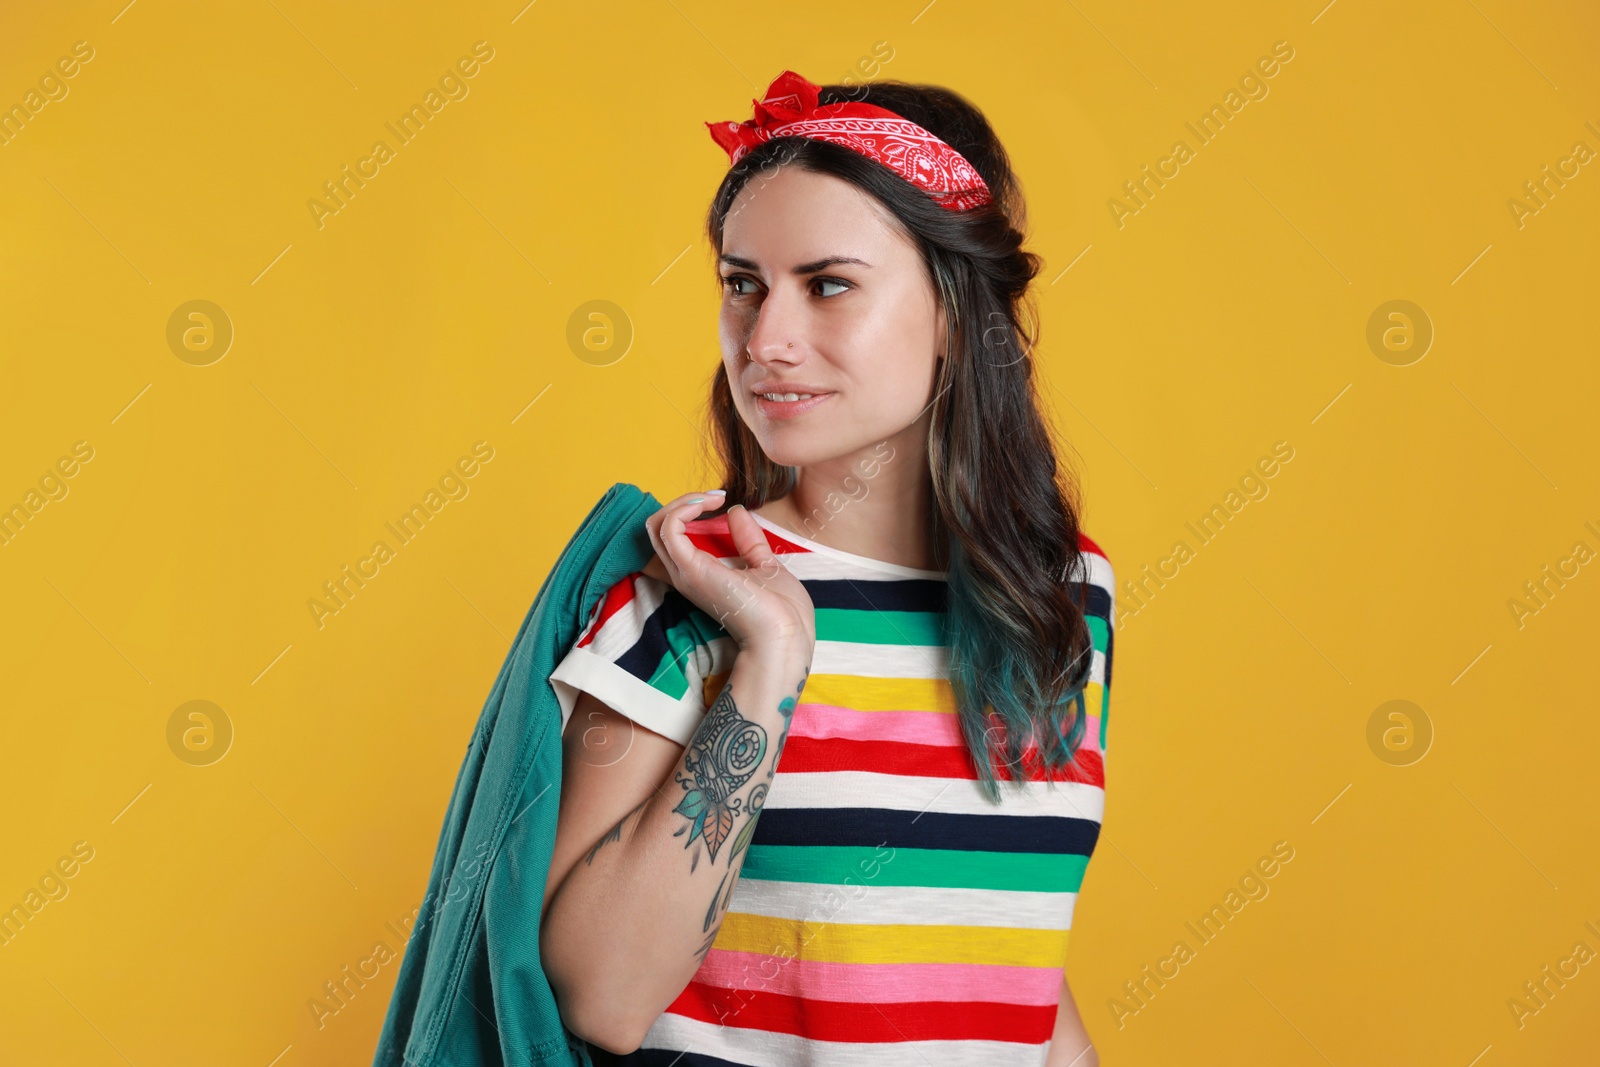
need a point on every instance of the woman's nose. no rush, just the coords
(778, 332)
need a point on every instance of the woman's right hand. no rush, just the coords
(756, 600)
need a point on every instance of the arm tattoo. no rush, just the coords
(724, 752)
(711, 912)
(614, 834)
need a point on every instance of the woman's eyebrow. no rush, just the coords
(804, 268)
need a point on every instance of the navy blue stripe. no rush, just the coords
(643, 658)
(873, 827)
(1111, 643)
(1096, 601)
(902, 594)
(659, 1057)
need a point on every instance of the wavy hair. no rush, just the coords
(1019, 646)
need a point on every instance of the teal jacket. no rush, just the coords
(471, 991)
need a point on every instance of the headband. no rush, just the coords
(790, 109)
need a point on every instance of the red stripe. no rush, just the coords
(712, 535)
(833, 1020)
(813, 754)
(619, 596)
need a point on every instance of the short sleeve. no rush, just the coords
(1100, 613)
(650, 654)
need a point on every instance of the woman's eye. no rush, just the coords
(732, 284)
(829, 281)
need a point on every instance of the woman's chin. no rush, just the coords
(805, 450)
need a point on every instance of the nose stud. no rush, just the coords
(791, 344)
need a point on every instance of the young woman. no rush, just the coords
(833, 768)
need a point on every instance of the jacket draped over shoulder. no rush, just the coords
(471, 989)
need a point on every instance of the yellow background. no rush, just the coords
(369, 354)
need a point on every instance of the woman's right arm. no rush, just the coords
(633, 909)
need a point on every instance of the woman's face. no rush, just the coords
(810, 261)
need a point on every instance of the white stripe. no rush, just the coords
(763, 1048)
(951, 796)
(815, 566)
(626, 695)
(922, 662)
(619, 633)
(914, 905)
(841, 564)
(1100, 572)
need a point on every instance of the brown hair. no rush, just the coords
(1019, 645)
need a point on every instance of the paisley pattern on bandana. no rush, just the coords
(791, 109)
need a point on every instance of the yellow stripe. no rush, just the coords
(880, 694)
(898, 943)
(887, 694)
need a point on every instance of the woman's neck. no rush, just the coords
(877, 503)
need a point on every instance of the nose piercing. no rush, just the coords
(791, 344)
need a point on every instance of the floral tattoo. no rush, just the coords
(723, 754)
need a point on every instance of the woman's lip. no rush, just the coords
(788, 409)
(776, 386)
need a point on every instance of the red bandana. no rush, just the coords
(790, 110)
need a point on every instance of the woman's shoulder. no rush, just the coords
(656, 571)
(1087, 545)
(1096, 564)
(649, 583)
(709, 535)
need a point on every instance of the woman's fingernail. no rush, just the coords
(694, 500)
(716, 492)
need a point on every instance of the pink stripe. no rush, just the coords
(912, 727)
(936, 728)
(880, 983)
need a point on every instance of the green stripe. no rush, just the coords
(668, 677)
(1097, 632)
(880, 627)
(671, 673)
(1100, 636)
(926, 867)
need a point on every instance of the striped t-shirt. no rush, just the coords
(888, 913)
